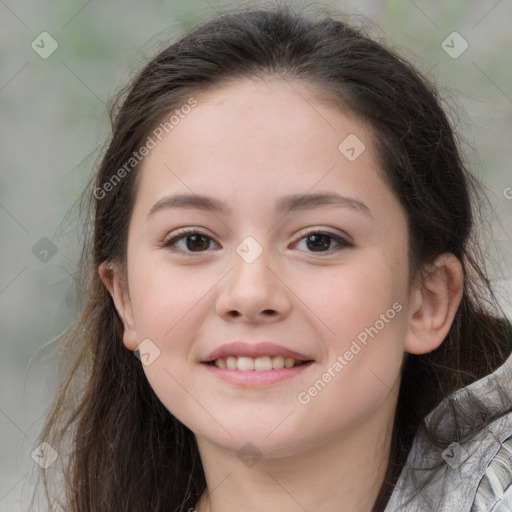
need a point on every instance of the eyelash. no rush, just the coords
(170, 244)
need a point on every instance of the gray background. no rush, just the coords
(54, 120)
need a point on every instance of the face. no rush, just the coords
(325, 280)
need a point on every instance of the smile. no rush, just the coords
(250, 372)
(263, 363)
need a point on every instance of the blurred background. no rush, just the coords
(60, 64)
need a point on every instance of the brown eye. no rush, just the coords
(195, 241)
(320, 241)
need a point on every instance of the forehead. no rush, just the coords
(253, 141)
(262, 128)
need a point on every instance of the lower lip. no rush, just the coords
(256, 377)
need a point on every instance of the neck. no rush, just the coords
(342, 473)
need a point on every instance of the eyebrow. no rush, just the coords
(294, 202)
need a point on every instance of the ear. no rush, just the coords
(115, 282)
(434, 302)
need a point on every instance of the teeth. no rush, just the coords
(245, 364)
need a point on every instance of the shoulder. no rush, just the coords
(494, 492)
(474, 475)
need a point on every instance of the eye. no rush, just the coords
(196, 241)
(319, 240)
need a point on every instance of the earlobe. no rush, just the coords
(114, 281)
(434, 304)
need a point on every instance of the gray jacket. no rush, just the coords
(476, 475)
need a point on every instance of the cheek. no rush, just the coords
(167, 308)
(354, 296)
(166, 299)
(365, 310)
(362, 366)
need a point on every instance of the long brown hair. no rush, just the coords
(122, 449)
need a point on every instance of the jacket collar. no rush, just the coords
(468, 408)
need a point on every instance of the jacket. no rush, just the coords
(475, 475)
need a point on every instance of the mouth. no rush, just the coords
(262, 363)
(256, 372)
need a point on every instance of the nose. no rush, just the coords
(253, 292)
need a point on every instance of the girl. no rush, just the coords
(227, 360)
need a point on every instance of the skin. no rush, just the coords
(249, 143)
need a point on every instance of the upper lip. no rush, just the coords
(241, 348)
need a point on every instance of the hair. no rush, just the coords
(126, 450)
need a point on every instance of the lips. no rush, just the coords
(254, 350)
